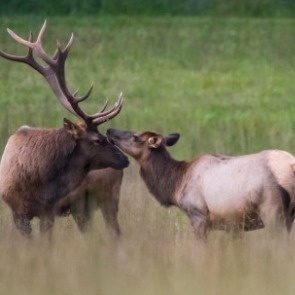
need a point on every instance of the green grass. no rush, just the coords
(227, 85)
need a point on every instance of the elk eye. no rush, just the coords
(97, 141)
(135, 137)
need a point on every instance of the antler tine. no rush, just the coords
(101, 110)
(15, 57)
(29, 43)
(104, 106)
(41, 33)
(18, 39)
(105, 116)
(76, 92)
(11, 56)
(39, 50)
(60, 53)
(69, 44)
(82, 98)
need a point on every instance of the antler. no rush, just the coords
(54, 73)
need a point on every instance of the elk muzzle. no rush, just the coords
(124, 140)
(115, 136)
(122, 161)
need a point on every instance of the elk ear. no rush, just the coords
(71, 128)
(155, 141)
(171, 139)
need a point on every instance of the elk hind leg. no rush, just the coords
(274, 217)
(288, 210)
(290, 219)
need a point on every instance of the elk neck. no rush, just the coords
(69, 178)
(162, 175)
(70, 168)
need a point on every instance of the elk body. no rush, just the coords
(40, 166)
(100, 189)
(240, 193)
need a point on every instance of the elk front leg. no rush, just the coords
(23, 224)
(81, 212)
(46, 223)
(109, 209)
(199, 222)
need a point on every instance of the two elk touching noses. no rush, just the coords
(75, 169)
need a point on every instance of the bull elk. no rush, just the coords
(40, 166)
(240, 193)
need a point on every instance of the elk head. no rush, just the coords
(140, 145)
(91, 143)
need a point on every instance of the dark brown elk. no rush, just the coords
(40, 166)
(239, 193)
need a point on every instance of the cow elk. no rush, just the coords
(41, 166)
(241, 193)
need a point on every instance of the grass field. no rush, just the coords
(227, 85)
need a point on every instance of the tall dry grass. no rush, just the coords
(157, 254)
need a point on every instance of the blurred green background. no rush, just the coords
(254, 8)
(219, 72)
(226, 84)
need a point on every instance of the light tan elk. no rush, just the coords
(215, 191)
(40, 166)
(100, 189)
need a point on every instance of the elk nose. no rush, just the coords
(110, 131)
(126, 162)
(111, 135)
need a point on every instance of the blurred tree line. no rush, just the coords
(258, 8)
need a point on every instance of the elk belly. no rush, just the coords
(229, 187)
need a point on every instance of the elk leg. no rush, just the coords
(275, 218)
(81, 212)
(46, 223)
(23, 224)
(199, 223)
(109, 211)
(290, 219)
(82, 220)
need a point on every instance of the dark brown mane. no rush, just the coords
(162, 175)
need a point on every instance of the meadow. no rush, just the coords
(225, 84)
